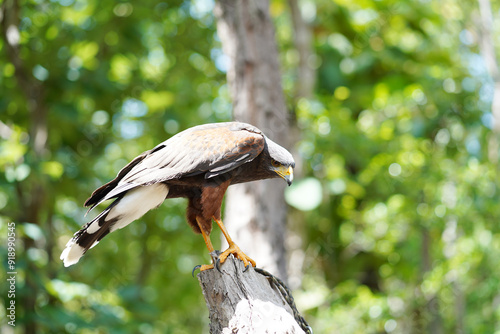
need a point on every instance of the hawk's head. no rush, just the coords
(281, 161)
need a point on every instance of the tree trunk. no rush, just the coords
(255, 213)
(32, 192)
(303, 40)
(484, 24)
(428, 319)
(304, 81)
(245, 302)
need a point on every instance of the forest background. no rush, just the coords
(393, 220)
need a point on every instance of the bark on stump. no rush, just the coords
(244, 302)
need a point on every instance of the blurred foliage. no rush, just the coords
(396, 210)
(404, 238)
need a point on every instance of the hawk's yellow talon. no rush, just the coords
(238, 253)
(206, 267)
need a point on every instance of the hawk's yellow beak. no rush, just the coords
(286, 173)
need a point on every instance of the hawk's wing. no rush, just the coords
(210, 149)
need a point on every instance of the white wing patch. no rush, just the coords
(136, 203)
(130, 207)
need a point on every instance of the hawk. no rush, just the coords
(199, 164)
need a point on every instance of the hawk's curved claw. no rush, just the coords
(202, 268)
(194, 269)
(246, 267)
(217, 265)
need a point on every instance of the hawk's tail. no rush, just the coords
(130, 206)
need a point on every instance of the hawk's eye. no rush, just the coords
(275, 163)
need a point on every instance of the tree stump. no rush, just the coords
(244, 302)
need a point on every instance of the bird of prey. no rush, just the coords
(199, 164)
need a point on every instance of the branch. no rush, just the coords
(245, 302)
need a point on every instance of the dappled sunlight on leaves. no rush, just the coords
(396, 211)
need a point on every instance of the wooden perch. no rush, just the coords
(244, 302)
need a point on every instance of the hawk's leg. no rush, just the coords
(233, 249)
(211, 249)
